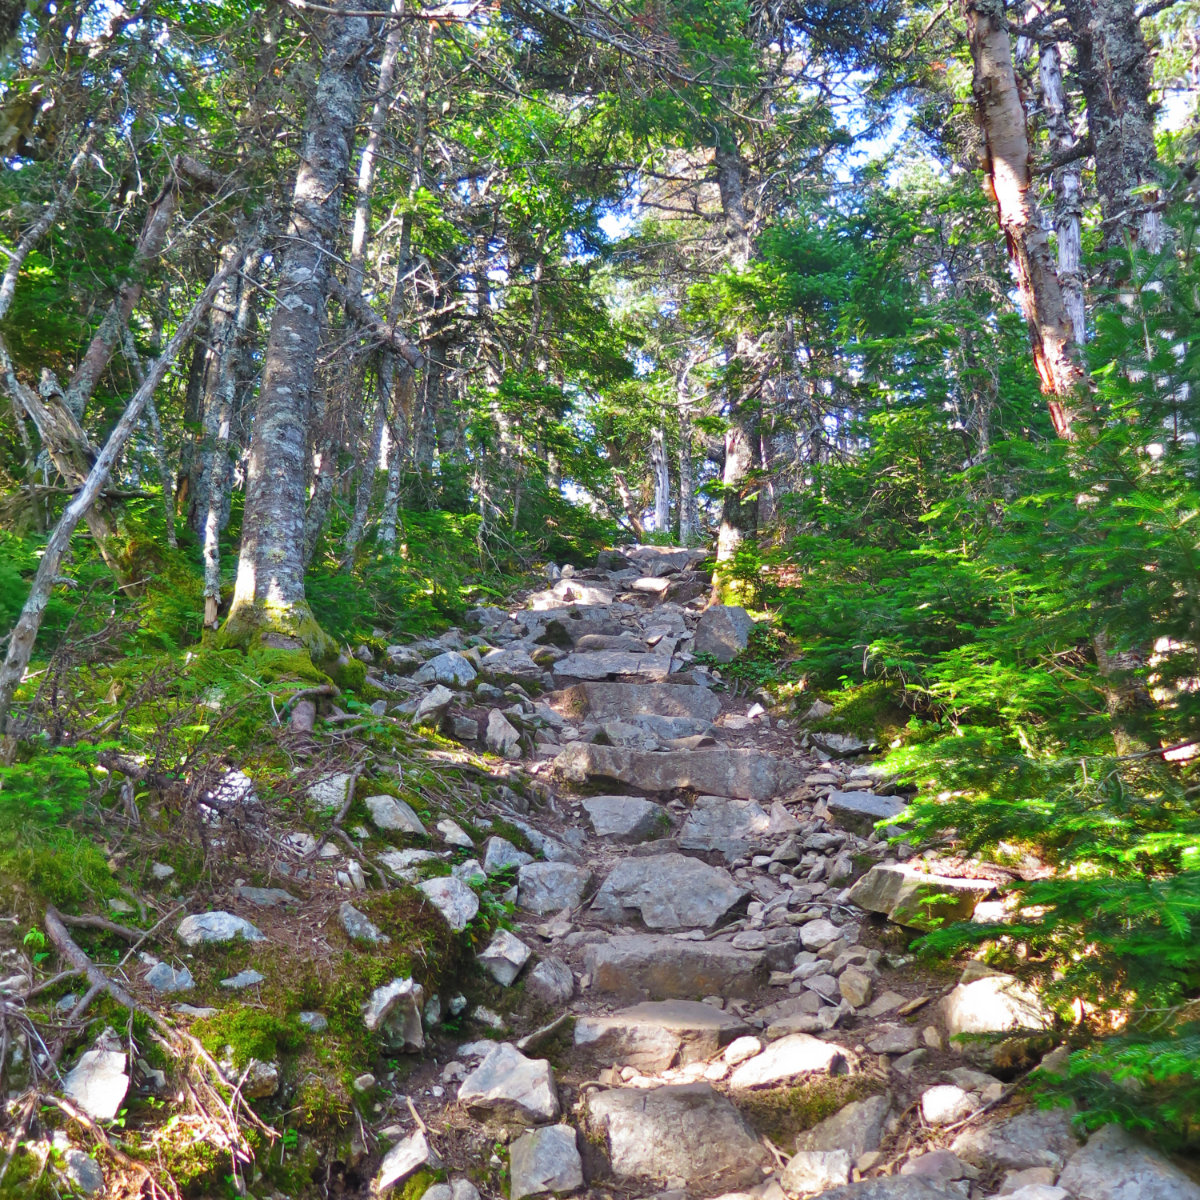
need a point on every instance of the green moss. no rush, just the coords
(870, 711)
(25, 1179)
(249, 1033)
(781, 1113)
(417, 1185)
(249, 625)
(348, 673)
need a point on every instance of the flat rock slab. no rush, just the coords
(216, 927)
(743, 774)
(608, 664)
(860, 811)
(1032, 1138)
(658, 967)
(453, 899)
(604, 701)
(685, 1132)
(551, 886)
(545, 1160)
(656, 1035)
(797, 1054)
(511, 1087)
(916, 898)
(98, 1083)
(894, 1187)
(993, 1004)
(668, 891)
(570, 591)
(626, 818)
(728, 826)
(1114, 1165)
(723, 631)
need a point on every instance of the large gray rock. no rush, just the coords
(405, 1159)
(97, 1083)
(1115, 1165)
(432, 706)
(789, 1057)
(860, 811)
(499, 853)
(686, 1132)
(550, 982)
(1032, 1138)
(84, 1172)
(164, 978)
(669, 891)
(815, 1170)
(393, 816)
(451, 669)
(511, 1087)
(504, 957)
(502, 737)
(742, 773)
(729, 826)
(658, 967)
(916, 898)
(453, 899)
(551, 886)
(723, 631)
(603, 701)
(857, 1128)
(545, 1160)
(894, 1187)
(216, 927)
(656, 1035)
(993, 1004)
(625, 818)
(394, 1013)
(610, 664)
(507, 666)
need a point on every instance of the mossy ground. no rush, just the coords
(782, 1113)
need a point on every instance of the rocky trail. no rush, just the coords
(703, 987)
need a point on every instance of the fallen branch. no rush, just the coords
(103, 923)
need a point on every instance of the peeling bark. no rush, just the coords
(1009, 180)
(662, 480)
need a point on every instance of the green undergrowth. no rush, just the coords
(782, 1113)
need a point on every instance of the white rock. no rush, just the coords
(815, 935)
(330, 791)
(740, 1049)
(433, 705)
(501, 736)
(993, 1004)
(394, 1012)
(393, 816)
(358, 926)
(407, 863)
(815, 1170)
(215, 927)
(545, 1160)
(404, 1159)
(453, 899)
(512, 1087)
(504, 957)
(798, 1054)
(449, 668)
(98, 1083)
(945, 1104)
(551, 886)
(499, 853)
(453, 834)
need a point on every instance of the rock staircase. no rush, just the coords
(703, 946)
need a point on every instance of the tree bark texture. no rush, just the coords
(1009, 180)
(269, 594)
(1114, 77)
(1067, 184)
(662, 480)
(739, 503)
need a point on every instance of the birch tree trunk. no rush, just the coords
(1068, 190)
(25, 631)
(269, 594)
(739, 503)
(1009, 180)
(689, 505)
(662, 480)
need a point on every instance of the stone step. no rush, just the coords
(667, 891)
(657, 1035)
(741, 773)
(660, 967)
(604, 701)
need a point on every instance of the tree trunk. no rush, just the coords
(1068, 190)
(269, 594)
(1009, 180)
(157, 441)
(24, 633)
(366, 483)
(404, 385)
(629, 504)
(739, 481)
(662, 480)
(689, 507)
(1114, 77)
